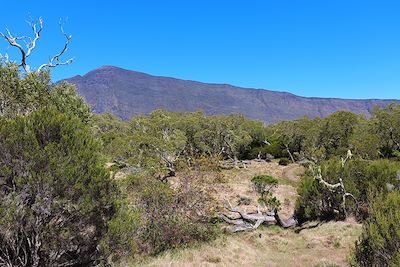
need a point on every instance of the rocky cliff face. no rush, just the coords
(125, 93)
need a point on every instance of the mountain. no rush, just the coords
(125, 93)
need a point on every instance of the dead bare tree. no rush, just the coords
(30, 45)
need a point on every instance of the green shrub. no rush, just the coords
(56, 197)
(119, 241)
(380, 240)
(264, 184)
(244, 200)
(20, 95)
(284, 161)
(360, 178)
(313, 203)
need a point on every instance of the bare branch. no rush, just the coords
(13, 41)
(55, 61)
(32, 44)
(26, 45)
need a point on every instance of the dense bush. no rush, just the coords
(119, 242)
(56, 196)
(284, 161)
(20, 95)
(386, 125)
(264, 185)
(379, 244)
(360, 178)
(170, 218)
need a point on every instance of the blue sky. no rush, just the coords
(348, 49)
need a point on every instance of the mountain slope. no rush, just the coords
(126, 93)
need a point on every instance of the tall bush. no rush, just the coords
(56, 196)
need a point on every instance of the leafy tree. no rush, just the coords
(364, 141)
(336, 131)
(295, 137)
(20, 95)
(225, 136)
(114, 135)
(386, 125)
(156, 142)
(160, 140)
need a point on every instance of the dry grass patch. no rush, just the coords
(238, 184)
(270, 246)
(325, 245)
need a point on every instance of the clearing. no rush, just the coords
(325, 245)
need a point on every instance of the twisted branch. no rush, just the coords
(30, 45)
(55, 61)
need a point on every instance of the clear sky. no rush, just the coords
(337, 48)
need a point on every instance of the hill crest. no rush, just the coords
(125, 93)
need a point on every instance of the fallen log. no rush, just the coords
(244, 221)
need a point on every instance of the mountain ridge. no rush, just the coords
(125, 93)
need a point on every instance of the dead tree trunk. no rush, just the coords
(290, 154)
(243, 221)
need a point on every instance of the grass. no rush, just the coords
(268, 246)
(322, 246)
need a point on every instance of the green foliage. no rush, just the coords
(264, 184)
(380, 240)
(360, 178)
(150, 140)
(54, 190)
(336, 131)
(159, 141)
(267, 152)
(113, 134)
(20, 95)
(64, 97)
(271, 202)
(119, 241)
(312, 203)
(386, 126)
(364, 141)
(284, 161)
(297, 136)
(320, 139)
